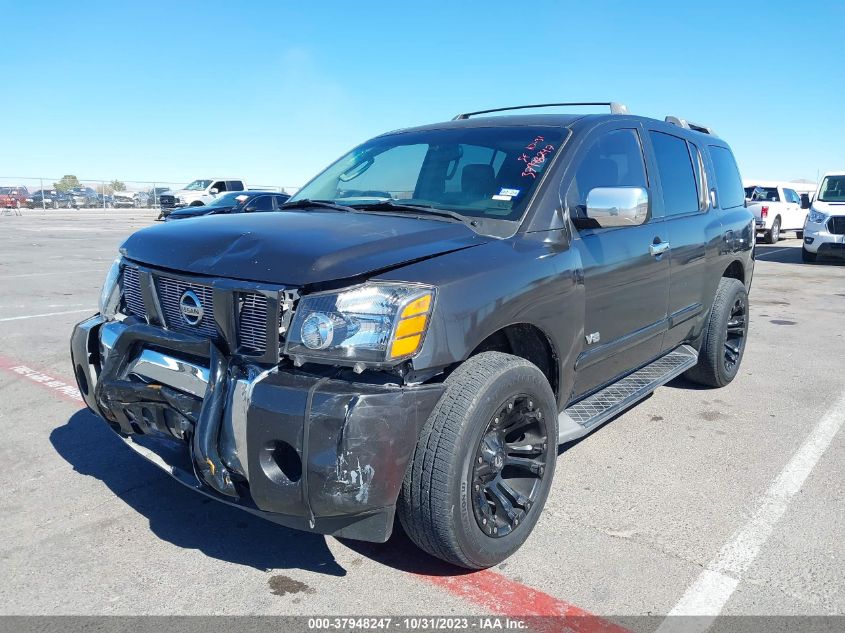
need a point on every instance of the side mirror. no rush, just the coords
(213, 191)
(805, 203)
(617, 206)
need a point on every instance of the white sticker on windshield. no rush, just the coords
(508, 192)
(501, 197)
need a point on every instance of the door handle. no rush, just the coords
(658, 249)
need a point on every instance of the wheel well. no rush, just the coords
(735, 271)
(526, 341)
(196, 203)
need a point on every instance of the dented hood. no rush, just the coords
(295, 248)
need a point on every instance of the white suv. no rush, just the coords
(824, 231)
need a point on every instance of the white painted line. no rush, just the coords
(58, 272)
(773, 252)
(45, 314)
(713, 588)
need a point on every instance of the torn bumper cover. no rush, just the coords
(315, 453)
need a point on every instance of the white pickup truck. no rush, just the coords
(776, 209)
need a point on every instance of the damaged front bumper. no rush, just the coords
(321, 453)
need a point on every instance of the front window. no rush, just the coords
(5, 190)
(197, 185)
(485, 172)
(832, 189)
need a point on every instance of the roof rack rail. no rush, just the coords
(615, 108)
(689, 125)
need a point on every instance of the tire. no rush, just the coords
(721, 346)
(441, 506)
(807, 256)
(799, 235)
(773, 234)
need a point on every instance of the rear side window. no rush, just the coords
(235, 185)
(614, 160)
(261, 203)
(677, 177)
(728, 182)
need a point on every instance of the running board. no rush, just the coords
(582, 417)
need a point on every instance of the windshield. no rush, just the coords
(197, 185)
(230, 199)
(832, 189)
(4, 190)
(485, 172)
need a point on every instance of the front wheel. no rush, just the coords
(724, 337)
(484, 463)
(799, 235)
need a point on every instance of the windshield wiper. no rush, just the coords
(308, 203)
(392, 205)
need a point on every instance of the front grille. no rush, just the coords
(170, 292)
(836, 225)
(167, 200)
(132, 292)
(252, 322)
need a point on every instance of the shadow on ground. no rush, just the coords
(182, 517)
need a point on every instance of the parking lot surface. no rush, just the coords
(732, 496)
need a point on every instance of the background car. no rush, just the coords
(49, 199)
(105, 201)
(234, 202)
(83, 197)
(13, 197)
(130, 199)
(154, 194)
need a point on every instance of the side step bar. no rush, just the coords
(582, 417)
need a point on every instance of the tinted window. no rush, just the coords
(219, 185)
(235, 185)
(762, 194)
(728, 182)
(261, 203)
(677, 177)
(614, 160)
(281, 199)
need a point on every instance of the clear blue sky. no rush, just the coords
(274, 91)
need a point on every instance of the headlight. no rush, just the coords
(816, 217)
(110, 295)
(375, 324)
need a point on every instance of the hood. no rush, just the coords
(124, 194)
(295, 248)
(830, 208)
(193, 212)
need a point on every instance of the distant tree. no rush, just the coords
(105, 189)
(116, 185)
(68, 181)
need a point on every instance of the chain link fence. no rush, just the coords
(70, 192)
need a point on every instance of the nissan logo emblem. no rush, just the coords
(191, 308)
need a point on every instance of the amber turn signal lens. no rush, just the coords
(405, 346)
(417, 306)
(414, 325)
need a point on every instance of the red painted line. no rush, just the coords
(486, 589)
(512, 599)
(60, 388)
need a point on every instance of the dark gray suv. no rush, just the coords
(426, 321)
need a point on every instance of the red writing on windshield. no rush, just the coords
(533, 162)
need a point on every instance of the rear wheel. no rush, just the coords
(807, 256)
(773, 234)
(484, 462)
(724, 337)
(799, 235)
